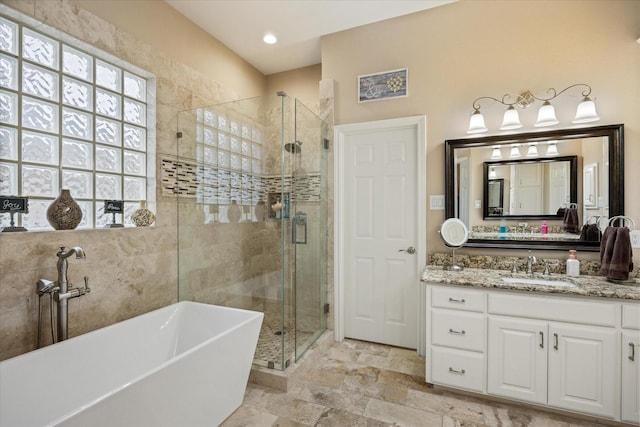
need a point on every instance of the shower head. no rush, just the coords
(293, 147)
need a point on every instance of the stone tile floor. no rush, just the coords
(364, 384)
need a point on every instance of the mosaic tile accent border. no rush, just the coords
(214, 185)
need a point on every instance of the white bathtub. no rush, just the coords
(182, 365)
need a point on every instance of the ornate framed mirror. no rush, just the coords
(599, 159)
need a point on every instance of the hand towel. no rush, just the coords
(616, 255)
(590, 233)
(570, 222)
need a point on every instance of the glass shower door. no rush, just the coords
(309, 227)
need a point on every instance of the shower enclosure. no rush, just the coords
(251, 183)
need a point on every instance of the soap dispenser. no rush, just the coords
(503, 229)
(573, 264)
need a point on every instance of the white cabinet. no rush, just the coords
(456, 338)
(517, 363)
(562, 365)
(630, 360)
(566, 352)
(582, 369)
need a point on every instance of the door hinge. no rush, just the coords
(326, 308)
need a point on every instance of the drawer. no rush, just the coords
(458, 329)
(555, 308)
(631, 316)
(458, 299)
(458, 368)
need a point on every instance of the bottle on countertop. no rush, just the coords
(573, 264)
(503, 229)
(544, 227)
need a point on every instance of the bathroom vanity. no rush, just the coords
(564, 343)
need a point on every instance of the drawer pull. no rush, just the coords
(541, 339)
(453, 331)
(455, 371)
(459, 301)
(555, 341)
(632, 356)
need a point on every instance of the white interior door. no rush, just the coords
(380, 208)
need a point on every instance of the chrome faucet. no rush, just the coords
(531, 260)
(62, 290)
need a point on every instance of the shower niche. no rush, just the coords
(267, 156)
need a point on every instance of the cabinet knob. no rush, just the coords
(632, 356)
(456, 371)
(453, 331)
(460, 301)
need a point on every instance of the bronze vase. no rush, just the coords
(64, 213)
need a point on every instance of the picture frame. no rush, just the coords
(383, 85)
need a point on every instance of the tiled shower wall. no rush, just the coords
(131, 270)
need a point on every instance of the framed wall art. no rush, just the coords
(384, 85)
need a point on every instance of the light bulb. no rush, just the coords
(586, 111)
(511, 119)
(546, 115)
(515, 152)
(476, 123)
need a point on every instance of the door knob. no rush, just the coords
(410, 250)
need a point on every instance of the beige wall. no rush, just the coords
(301, 83)
(464, 50)
(156, 23)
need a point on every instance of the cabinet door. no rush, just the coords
(517, 355)
(631, 376)
(583, 368)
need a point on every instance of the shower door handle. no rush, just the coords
(410, 250)
(299, 229)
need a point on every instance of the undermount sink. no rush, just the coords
(543, 282)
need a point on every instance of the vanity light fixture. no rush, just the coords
(552, 149)
(515, 152)
(496, 154)
(585, 113)
(492, 173)
(532, 151)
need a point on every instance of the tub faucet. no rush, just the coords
(62, 290)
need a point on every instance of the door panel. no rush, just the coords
(517, 354)
(380, 205)
(582, 368)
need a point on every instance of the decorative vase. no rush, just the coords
(234, 212)
(261, 208)
(64, 213)
(143, 217)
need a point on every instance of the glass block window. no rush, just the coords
(69, 119)
(229, 150)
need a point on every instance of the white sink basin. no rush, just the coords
(543, 282)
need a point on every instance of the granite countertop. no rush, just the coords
(590, 286)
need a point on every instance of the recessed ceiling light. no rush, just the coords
(269, 38)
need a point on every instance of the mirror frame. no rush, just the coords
(573, 184)
(615, 133)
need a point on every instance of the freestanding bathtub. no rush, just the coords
(186, 364)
